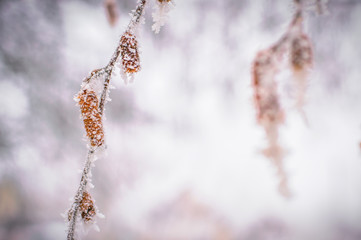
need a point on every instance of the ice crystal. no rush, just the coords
(160, 13)
(94, 82)
(137, 16)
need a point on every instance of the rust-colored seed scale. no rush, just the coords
(301, 52)
(92, 119)
(129, 53)
(86, 207)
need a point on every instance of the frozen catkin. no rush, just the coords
(160, 14)
(130, 62)
(88, 102)
(301, 61)
(270, 114)
(87, 208)
(84, 213)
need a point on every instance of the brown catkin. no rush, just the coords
(265, 95)
(301, 53)
(87, 208)
(129, 53)
(88, 102)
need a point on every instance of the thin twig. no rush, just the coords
(83, 183)
(108, 70)
(137, 14)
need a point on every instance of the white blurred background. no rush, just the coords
(184, 157)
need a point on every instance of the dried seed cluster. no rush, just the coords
(88, 102)
(265, 95)
(87, 207)
(301, 53)
(129, 53)
(270, 115)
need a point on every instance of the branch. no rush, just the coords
(92, 113)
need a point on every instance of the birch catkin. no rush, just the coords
(301, 53)
(129, 53)
(88, 102)
(87, 207)
(265, 91)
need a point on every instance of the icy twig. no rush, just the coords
(74, 210)
(92, 112)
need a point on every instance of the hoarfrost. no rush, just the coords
(160, 14)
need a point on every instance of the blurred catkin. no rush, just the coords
(301, 53)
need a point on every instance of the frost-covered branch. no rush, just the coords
(93, 88)
(137, 15)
